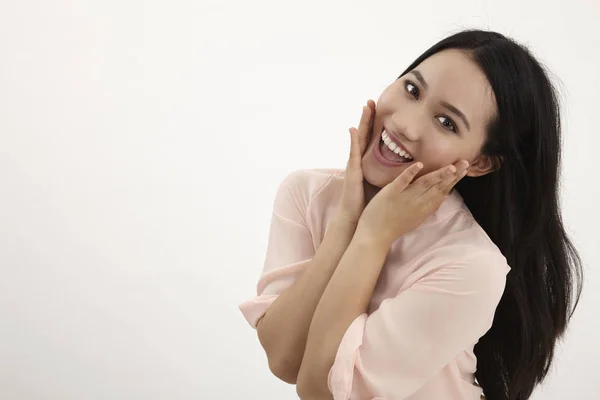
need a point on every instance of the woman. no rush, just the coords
(382, 282)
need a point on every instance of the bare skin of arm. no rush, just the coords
(283, 330)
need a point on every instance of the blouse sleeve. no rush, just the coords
(290, 247)
(393, 352)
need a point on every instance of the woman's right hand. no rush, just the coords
(352, 202)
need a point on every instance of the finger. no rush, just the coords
(444, 187)
(406, 177)
(364, 127)
(372, 106)
(355, 159)
(426, 182)
(369, 136)
(365, 119)
(453, 180)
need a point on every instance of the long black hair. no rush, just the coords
(518, 206)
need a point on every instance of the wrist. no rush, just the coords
(345, 221)
(377, 242)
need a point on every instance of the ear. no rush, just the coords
(483, 165)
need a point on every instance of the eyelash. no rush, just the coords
(453, 128)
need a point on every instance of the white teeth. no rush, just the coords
(394, 147)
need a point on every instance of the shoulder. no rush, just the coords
(486, 267)
(306, 184)
(458, 246)
(475, 281)
(470, 245)
(452, 233)
(457, 231)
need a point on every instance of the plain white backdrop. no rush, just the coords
(141, 144)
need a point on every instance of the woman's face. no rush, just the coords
(438, 113)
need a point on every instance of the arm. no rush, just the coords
(283, 329)
(346, 297)
(396, 350)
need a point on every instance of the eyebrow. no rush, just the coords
(445, 104)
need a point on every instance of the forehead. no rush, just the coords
(454, 78)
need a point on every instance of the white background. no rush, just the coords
(141, 144)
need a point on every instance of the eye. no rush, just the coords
(447, 123)
(412, 89)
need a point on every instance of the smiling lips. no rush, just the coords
(386, 156)
(394, 146)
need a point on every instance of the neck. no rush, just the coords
(370, 191)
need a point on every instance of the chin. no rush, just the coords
(375, 178)
(373, 175)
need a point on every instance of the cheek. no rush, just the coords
(438, 154)
(376, 136)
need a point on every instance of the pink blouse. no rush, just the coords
(435, 297)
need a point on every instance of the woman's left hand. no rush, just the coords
(402, 206)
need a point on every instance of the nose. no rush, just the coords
(411, 125)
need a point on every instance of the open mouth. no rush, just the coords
(391, 152)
